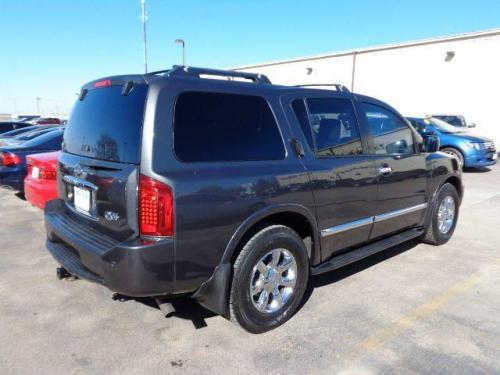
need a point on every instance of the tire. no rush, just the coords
(457, 153)
(246, 308)
(435, 234)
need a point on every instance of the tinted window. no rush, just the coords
(225, 127)
(6, 127)
(301, 113)
(391, 135)
(107, 125)
(453, 120)
(32, 134)
(51, 140)
(334, 125)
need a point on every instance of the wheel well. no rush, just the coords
(455, 181)
(296, 221)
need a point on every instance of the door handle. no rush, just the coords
(385, 171)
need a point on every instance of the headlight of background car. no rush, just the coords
(474, 145)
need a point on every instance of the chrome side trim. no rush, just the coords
(347, 226)
(404, 211)
(370, 220)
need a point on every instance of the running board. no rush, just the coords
(365, 251)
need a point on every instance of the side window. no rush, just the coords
(334, 127)
(391, 135)
(299, 108)
(212, 127)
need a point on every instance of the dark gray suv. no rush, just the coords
(233, 191)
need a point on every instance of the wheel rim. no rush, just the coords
(453, 153)
(273, 280)
(446, 214)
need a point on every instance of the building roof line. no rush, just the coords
(385, 47)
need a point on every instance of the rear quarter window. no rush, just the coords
(211, 127)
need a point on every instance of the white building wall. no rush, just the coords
(414, 77)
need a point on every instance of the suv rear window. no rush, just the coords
(107, 125)
(225, 127)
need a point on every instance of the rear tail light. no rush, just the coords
(47, 175)
(8, 159)
(103, 83)
(42, 174)
(156, 208)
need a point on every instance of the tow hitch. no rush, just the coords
(63, 274)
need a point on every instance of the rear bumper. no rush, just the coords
(39, 192)
(12, 177)
(134, 267)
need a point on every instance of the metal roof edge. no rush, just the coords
(383, 47)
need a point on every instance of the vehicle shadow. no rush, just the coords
(476, 170)
(20, 195)
(185, 308)
(189, 309)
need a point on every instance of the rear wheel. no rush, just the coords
(454, 152)
(269, 279)
(444, 216)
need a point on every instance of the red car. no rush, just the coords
(47, 121)
(40, 182)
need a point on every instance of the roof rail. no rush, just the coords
(339, 87)
(189, 71)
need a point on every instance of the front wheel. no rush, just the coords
(269, 279)
(456, 153)
(444, 216)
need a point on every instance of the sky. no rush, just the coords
(49, 48)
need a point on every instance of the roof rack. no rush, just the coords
(189, 71)
(339, 87)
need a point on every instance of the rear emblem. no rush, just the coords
(111, 216)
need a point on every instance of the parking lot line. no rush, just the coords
(408, 321)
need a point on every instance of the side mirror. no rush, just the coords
(431, 143)
(427, 132)
(472, 125)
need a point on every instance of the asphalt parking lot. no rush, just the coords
(413, 309)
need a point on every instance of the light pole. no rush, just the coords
(144, 16)
(181, 41)
(38, 105)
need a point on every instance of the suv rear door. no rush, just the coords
(344, 178)
(401, 169)
(99, 165)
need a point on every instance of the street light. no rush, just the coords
(181, 41)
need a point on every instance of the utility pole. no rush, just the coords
(144, 16)
(38, 105)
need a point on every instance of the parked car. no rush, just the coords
(17, 132)
(7, 126)
(471, 150)
(47, 121)
(26, 118)
(13, 156)
(40, 182)
(455, 120)
(233, 193)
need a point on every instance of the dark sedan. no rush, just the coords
(7, 126)
(13, 154)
